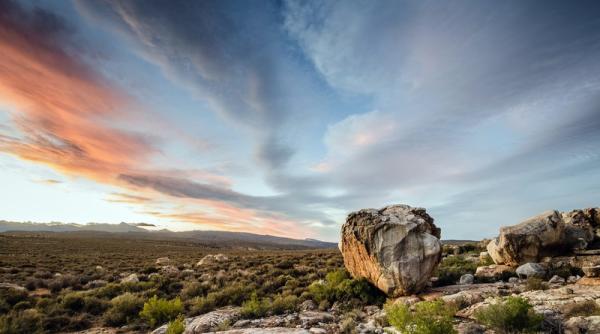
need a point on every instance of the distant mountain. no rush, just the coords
(213, 238)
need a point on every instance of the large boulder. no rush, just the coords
(526, 241)
(396, 248)
(548, 234)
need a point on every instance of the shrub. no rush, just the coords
(255, 307)
(73, 301)
(176, 326)
(428, 317)
(338, 286)
(587, 308)
(193, 289)
(124, 309)
(452, 268)
(282, 304)
(513, 314)
(24, 322)
(158, 311)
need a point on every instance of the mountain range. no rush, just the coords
(212, 238)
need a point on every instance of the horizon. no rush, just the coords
(280, 118)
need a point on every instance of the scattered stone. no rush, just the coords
(573, 279)
(163, 261)
(98, 283)
(577, 325)
(531, 270)
(275, 330)
(513, 280)
(11, 286)
(187, 272)
(469, 328)
(311, 318)
(308, 305)
(169, 270)
(315, 330)
(396, 248)
(133, 278)
(208, 322)
(556, 280)
(467, 279)
(99, 269)
(591, 271)
(210, 258)
(494, 272)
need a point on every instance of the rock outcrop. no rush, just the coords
(396, 248)
(548, 234)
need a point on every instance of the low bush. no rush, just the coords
(282, 304)
(585, 309)
(510, 315)
(158, 311)
(452, 268)
(176, 326)
(255, 307)
(23, 322)
(338, 286)
(124, 309)
(428, 317)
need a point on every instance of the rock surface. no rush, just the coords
(547, 234)
(525, 242)
(206, 322)
(531, 269)
(396, 248)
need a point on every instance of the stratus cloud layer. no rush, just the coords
(484, 113)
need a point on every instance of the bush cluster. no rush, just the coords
(338, 286)
(510, 315)
(158, 311)
(428, 317)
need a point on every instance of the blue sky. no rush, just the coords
(281, 117)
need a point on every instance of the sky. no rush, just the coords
(281, 117)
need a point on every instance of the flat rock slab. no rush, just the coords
(273, 330)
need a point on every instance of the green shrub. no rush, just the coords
(24, 322)
(255, 307)
(511, 315)
(176, 326)
(158, 311)
(282, 304)
(338, 286)
(429, 317)
(452, 268)
(124, 309)
(193, 289)
(73, 301)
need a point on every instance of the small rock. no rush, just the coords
(163, 261)
(466, 279)
(311, 318)
(591, 271)
(573, 279)
(133, 278)
(170, 270)
(98, 283)
(578, 325)
(513, 280)
(483, 256)
(187, 272)
(316, 330)
(556, 280)
(531, 269)
(469, 328)
(494, 271)
(308, 305)
(11, 286)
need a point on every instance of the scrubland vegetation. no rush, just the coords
(73, 283)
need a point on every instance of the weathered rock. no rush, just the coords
(206, 322)
(494, 272)
(531, 270)
(577, 325)
(467, 279)
(483, 256)
(548, 234)
(210, 258)
(469, 328)
(308, 305)
(556, 280)
(169, 270)
(133, 278)
(11, 286)
(396, 248)
(591, 271)
(527, 241)
(311, 318)
(275, 330)
(163, 261)
(98, 283)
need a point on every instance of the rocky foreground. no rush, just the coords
(552, 261)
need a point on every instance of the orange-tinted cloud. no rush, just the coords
(64, 107)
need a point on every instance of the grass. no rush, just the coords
(428, 317)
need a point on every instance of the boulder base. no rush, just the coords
(396, 248)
